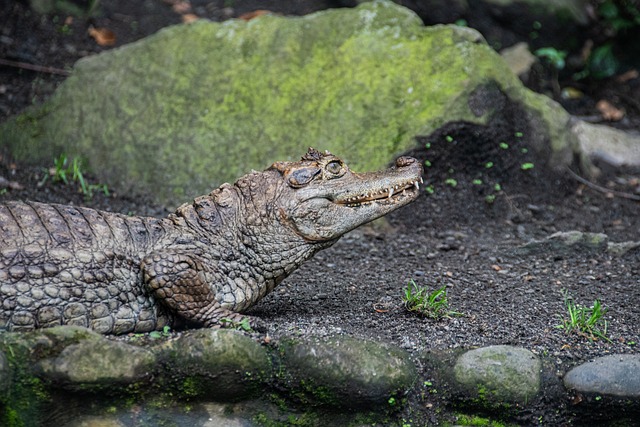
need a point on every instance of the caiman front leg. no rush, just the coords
(177, 281)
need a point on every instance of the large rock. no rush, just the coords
(195, 105)
(346, 372)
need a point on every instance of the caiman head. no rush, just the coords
(322, 199)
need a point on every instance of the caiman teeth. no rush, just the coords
(383, 193)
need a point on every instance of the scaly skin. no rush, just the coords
(203, 265)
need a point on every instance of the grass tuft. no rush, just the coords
(586, 321)
(434, 305)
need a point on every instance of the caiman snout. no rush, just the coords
(404, 161)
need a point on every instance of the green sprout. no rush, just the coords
(450, 181)
(584, 320)
(504, 145)
(553, 56)
(242, 325)
(526, 166)
(477, 181)
(488, 165)
(434, 305)
(66, 172)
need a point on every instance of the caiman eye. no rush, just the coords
(303, 176)
(334, 168)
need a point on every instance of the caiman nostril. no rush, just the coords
(404, 161)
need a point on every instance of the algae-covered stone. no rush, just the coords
(346, 372)
(98, 365)
(615, 375)
(194, 105)
(218, 364)
(496, 375)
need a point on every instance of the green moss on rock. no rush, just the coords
(195, 105)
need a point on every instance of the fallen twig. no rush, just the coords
(33, 67)
(603, 190)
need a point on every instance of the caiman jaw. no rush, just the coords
(383, 194)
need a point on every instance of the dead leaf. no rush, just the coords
(188, 18)
(252, 15)
(609, 111)
(103, 36)
(380, 308)
(181, 7)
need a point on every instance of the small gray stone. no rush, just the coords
(346, 371)
(615, 375)
(499, 374)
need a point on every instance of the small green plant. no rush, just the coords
(67, 171)
(434, 304)
(585, 321)
(242, 325)
(504, 145)
(477, 181)
(527, 166)
(452, 182)
(553, 56)
(488, 165)
(166, 332)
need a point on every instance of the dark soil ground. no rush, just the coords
(463, 235)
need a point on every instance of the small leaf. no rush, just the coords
(102, 36)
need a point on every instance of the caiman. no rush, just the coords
(203, 265)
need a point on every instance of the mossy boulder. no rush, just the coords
(195, 105)
(346, 372)
(216, 364)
